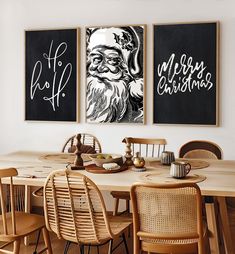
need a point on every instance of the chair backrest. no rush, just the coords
(200, 149)
(86, 139)
(166, 212)
(145, 146)
(74, 208)
(9, 227)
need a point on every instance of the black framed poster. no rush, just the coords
(51, 67)
(186, 73)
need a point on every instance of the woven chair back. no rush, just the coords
(86, 139)
(167, 212)
(74, 208)
(146, 147)
(8, 227)
(200, 149)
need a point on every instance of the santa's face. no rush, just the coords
(106, 64)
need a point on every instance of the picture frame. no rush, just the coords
(51, 74)
(115, 74)
(186, 75)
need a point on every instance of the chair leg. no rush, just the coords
(36, 245)
(82, 249)
(127, 206)
(66, 248)
(125, 243)
(16, 248)
(47, 240)
(116, 204)
(110, 246)
(98, 252)
(89, 248)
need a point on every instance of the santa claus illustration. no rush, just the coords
(114, 75)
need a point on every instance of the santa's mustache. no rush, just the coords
(106, 100)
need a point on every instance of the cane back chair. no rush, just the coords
(200, 149)
(146, 148)
(86, 139)
(75, 210)
(168, 218)
(15, 225)
(203, 149)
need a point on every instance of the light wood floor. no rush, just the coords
(58, 247)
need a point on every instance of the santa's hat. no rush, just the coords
(124, 39)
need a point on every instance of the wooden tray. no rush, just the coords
(92, 168)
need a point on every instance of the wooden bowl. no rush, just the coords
(99, 162)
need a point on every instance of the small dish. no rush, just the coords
(138, 169)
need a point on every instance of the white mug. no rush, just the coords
(179, 169)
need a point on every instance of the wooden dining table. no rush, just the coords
(216, 180)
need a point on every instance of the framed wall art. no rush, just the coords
(186, 73)
(115, 74)
(51, 75)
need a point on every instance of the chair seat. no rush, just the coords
(121, 194)
(26, 223)
(119, 224)
(189, 244)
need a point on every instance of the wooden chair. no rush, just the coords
(168, 218)
(91, 145)
(16, 225)
(200, 149)
(146, 148)
(75, 211)
(86, 139)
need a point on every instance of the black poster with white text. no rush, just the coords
(51, 75)
(185, 74)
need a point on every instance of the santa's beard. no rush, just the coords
(107, 101)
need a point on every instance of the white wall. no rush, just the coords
(18, 15)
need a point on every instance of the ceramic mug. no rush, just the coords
(167, 157)
(179, 169)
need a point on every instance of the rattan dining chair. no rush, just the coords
(200, 149)
(90, 145)
(88, 140)
(146, 148)
(168, 218)
(203, 149)
(15, 225)
(75, 211)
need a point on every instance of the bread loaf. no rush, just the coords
(110, 166)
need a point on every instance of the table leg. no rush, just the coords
(27, 208)
(228, 243)
(212, 227)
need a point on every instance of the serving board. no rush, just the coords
(92, 168)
